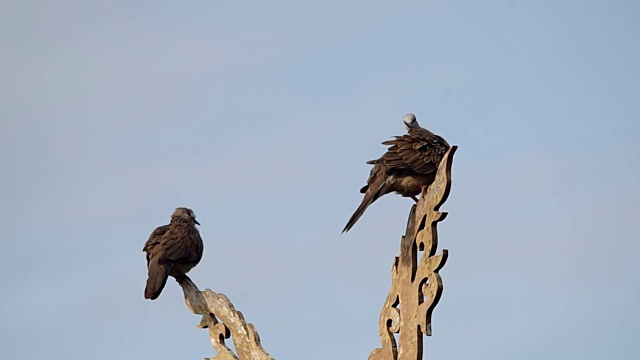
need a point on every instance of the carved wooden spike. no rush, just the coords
(416, 286)
(223, 322)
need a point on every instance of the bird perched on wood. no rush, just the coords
(172, 250)
(408, 167)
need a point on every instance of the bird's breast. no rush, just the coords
(410, 185)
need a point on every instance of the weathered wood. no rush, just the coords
(223, 322)
(416, 286)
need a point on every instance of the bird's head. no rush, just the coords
(410, 121)
(185, 214)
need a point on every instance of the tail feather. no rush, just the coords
(377, 185)
(158, 274)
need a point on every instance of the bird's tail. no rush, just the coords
(377, 185)
(158, 274)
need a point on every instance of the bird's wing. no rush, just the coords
(419, 150)
(179, 244)
(154, 239)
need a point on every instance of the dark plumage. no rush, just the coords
(172, 250)
(408, 167)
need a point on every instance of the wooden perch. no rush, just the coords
(223, 321)
(416, 286)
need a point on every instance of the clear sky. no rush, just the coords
(260, 116)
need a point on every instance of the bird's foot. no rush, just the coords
(423, 189)
(180, 279)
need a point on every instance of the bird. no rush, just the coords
(408, 167)
(172, 250)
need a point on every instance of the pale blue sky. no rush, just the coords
(261, 115)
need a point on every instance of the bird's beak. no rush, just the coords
(196, 221)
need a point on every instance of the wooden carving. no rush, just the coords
(416, 286)
(223, 321)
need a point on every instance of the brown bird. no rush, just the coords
(172, 250)
(408, 167)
